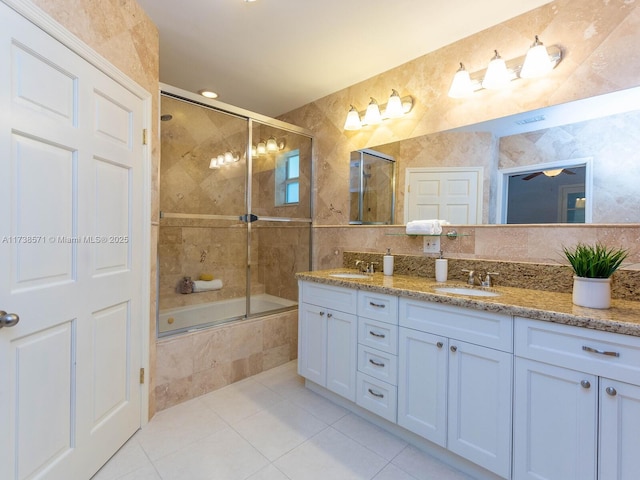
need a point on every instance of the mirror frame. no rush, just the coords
(503, 185)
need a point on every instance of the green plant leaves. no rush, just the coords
(595, 261)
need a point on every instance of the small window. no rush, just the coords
(288, 179)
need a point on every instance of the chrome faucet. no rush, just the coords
(366, 267)
(471, 277)
(488, 279)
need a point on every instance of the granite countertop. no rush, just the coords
(623, 316)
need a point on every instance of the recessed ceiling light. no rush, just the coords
(208, 93)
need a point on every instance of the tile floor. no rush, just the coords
(268, 427)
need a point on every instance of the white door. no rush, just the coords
(70, 243)
(454, 195)
(555, 417)
(479, 405)
(342, 353)
(422, 384)
(619, 422)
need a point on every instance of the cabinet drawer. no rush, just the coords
(337, 298)
(379, 335)
(378, 364)
(378, 306)
(600, 353)
(493, 330)
(377, 397)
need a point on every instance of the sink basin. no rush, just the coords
(349, 275)
(470, 292)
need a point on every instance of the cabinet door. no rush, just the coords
(312, 343)
(479, 405)
(422, 384)
(619, 427)
(342, 353)
(555, 423)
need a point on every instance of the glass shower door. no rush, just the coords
(203, 178)
(280, 199)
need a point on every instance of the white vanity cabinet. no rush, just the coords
(455, 380)
(327, 337)
(378, 353)
(577, 403)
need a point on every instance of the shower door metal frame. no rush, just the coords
(251, 117)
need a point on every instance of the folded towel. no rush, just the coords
(425, 227)
(206, 285)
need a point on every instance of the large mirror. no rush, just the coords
(601, 132)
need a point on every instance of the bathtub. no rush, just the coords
(195, 317)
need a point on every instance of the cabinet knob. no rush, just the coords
(611, 391)
(453, 348)
(322, 314)
(439, 344)
(585, 384)
(329, 315)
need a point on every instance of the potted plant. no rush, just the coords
(593, 266)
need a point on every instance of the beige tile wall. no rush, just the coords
(599, 40)
(196, 363)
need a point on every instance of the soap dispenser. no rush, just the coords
(441, 268)
(387, 263)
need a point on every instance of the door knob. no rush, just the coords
(8, 319)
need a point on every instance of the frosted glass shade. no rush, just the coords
(272, 145)
(262, 148)
(497, 75)
(461, 84)
(372, 115)
(536, 63)
(394, 106)
(353, 120)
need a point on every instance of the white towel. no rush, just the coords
(425, 227)
(206, 285)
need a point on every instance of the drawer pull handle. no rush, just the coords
(379, 395)
(585, 384)
(600, 352)
(377, 364)
(611, 391)
(379, 305)
(379, 335)
(439, 344)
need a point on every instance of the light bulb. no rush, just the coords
(394, 106)
(536, 63)
(461, 84)
(213, 164)
(497, 75)
(372, 115)
(262, 148)
(353, 120)
(272, 145)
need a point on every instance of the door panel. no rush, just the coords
(452, 195)
(71, 198)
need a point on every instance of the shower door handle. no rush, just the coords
(248, 218)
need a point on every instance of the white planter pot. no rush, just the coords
(592, 292)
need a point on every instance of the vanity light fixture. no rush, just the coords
(538, 61)
(272, 145)
(395, 107)
(224, 159)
